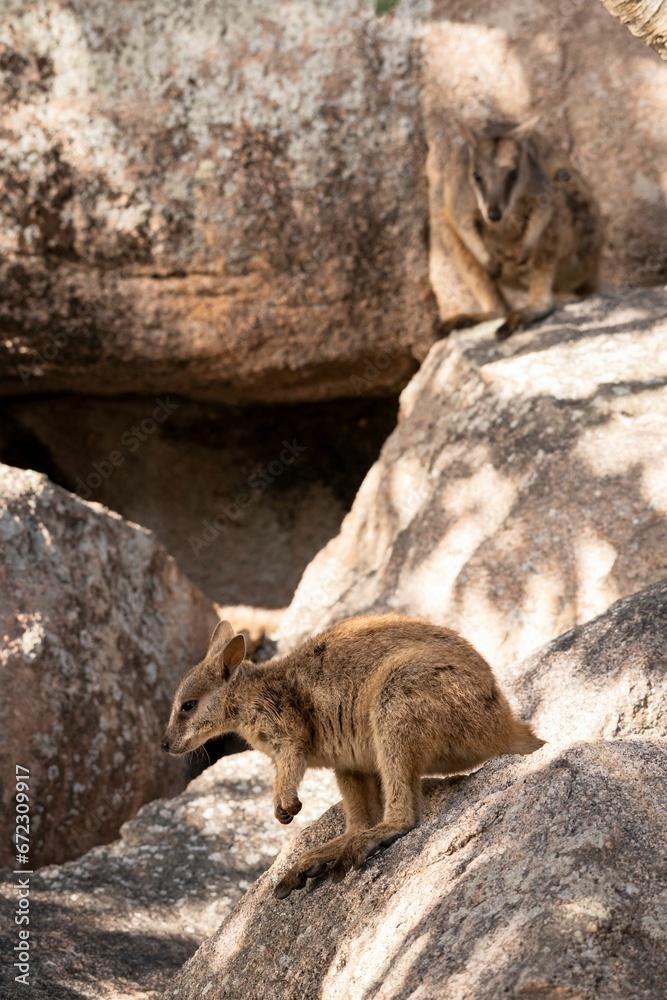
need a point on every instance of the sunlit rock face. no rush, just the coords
(606, 678)
(531, 878)
(524, 489)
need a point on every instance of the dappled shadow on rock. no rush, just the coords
(123, 918)
(532, 879)
(605, 678)
(524, 489)
(97, 963)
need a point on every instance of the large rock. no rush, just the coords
(533, 879)
(98, 626)
(524, 489)
(230, 202)
(213, 199)
(606, 678)
(121, 920)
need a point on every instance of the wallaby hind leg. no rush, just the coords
(311, 864)
(480, 282)
(363, 809)
(361, 800)
(402, 793)
(462, 321)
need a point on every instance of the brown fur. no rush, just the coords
(548, 234)
(382, 699)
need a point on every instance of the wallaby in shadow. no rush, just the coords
(517, 213)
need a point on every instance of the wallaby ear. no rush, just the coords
(469, 134)
(222, 633)
(525, 129)
(234, 654)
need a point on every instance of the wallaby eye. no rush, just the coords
(512, 177)
(477, 177)
(188, 706)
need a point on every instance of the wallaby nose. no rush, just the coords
(165, 746)
(494, 214)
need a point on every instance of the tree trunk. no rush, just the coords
(645, 18)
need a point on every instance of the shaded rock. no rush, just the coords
(538, 878)
(243, 498)
(98, 627)
(524, 489)
(195, 199)
(604, 679)
(122, 919)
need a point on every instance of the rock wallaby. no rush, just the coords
(517, 213)
(382, 699)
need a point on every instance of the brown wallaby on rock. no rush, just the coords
(517, 213)
(382, 699)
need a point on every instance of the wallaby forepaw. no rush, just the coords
(285, 813)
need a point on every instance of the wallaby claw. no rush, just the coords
(297, 879)
(286, 814)
(514, 321)
(316, 870)
(338, 871)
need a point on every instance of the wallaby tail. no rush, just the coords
(524, 739)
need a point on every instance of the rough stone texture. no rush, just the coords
(542, 878)
(524, 489)
(242, 498)
(606, 678)
(120, 921)
(98, 626)
(645, 18)
(196, 198)
(229, 200)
